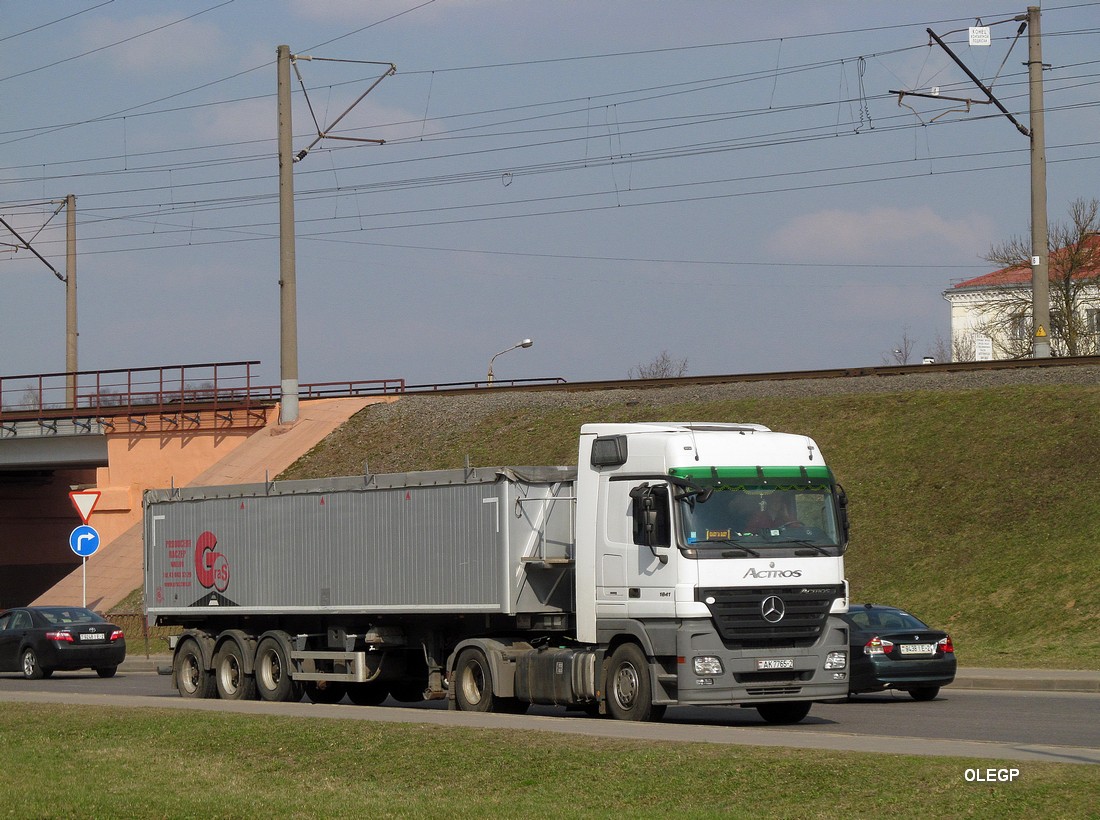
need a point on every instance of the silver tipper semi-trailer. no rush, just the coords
(678, 563)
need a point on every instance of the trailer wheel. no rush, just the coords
(232, 681)
(629, 690)
(192, 680)
(325, 691)
(782, 713)
(474, 682)
(273, 680)
(367, 694)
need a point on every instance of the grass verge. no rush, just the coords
(113, 762)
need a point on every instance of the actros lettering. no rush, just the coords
(772, 573)
(211, 568)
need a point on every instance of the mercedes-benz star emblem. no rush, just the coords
(773, 609)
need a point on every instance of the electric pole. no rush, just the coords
(288, 295)
(70, 300)
(1040, 281)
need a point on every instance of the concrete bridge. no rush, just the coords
(124, 431)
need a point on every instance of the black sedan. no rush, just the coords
(37, 640)
(891, 649)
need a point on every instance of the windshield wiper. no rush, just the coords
(751, 552)
(812, 545)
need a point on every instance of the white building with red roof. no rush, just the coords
(991, 314)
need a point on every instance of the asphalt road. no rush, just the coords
(1053, 726)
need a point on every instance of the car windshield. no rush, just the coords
(884, 619)
(60, 615)
(753, 514)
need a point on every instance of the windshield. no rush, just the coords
(760, 512)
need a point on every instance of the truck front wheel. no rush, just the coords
(191, 678)
(629, 689)
(783, 713)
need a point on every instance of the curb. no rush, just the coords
(1019, 680)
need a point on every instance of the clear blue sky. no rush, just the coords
(731, 182)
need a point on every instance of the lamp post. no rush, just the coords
(524, 343)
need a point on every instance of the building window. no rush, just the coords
(1092, 321)
(1019, 328)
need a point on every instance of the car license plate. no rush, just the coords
(93, 636)
(918, 649)
(775, 663)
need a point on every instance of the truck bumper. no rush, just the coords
(758, 675)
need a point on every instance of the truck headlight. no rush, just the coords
(836, 660)
(707, 665)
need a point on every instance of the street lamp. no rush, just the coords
(524, 343)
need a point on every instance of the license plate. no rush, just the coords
(93, 636)
(775, 663)
(918, 649)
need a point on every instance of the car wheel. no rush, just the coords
(233, 682)
(629, 690)
(784, 713)
(924, 692)
(106, 671)
(32, 670)
(191, 678)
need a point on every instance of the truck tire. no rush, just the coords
(784, 713)
(325, 691)
(629, 689)
(367, 694)
(229, 675)
(473, 682)
(191, 678)
(273, 668)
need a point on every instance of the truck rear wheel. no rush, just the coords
(367, 694)
(191, 678)
(232, 681)
(473, 682)
(273, 680)
(325, 691)
(629, 689)
(781, 713)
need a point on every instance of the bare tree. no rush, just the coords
(662, 367)
(902, 350)
(1074, 270)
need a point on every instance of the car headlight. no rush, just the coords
(707, 665)
(836, 660)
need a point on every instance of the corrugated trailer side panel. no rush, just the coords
(415, 548)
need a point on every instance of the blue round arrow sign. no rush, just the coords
(84, 540)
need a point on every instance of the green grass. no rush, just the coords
(62, 761)
(978, 510)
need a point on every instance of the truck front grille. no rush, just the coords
(739, 615)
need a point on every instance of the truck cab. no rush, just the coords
(714, 552)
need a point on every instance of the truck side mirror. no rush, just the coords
(649, 506)
(842, 506)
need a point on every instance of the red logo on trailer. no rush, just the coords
(211, 568)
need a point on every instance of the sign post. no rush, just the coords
(84, 540)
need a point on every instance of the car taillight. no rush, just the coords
(116, 635)
(945, 644)
(878, 646)
(59, 636)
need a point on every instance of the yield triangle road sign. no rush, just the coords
(84, 501)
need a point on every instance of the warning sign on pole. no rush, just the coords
(84, 501)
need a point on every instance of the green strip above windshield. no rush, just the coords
(760, 476)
